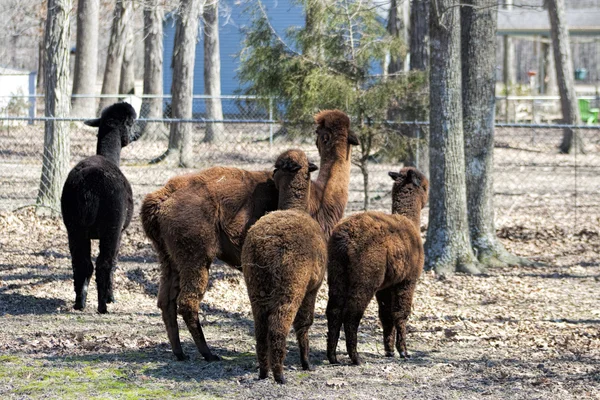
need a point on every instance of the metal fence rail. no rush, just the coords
(535, 186)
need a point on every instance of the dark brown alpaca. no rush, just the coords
(374, 253)
(283, 260)
(199, 217)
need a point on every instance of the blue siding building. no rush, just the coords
(234, 17)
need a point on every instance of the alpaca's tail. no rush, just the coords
(150, 215)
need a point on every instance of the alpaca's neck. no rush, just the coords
(294, 196)
(109, 146)
(330, 191)
(409, 207)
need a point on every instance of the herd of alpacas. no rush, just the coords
(279, 227)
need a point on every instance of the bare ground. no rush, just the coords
(519, 333)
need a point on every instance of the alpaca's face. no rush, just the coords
(289, 165)
(333, 132)
(333, 139)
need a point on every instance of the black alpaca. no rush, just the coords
(97, 203)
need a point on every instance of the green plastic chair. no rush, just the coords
(588, 115)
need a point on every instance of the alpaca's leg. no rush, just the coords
(80, 247)
(358, 300)
(403, 297)
(110, 296)
(167, 302)
(105, 263)
(261, 332)
(385, 300)
(302, 322)
(280, 322)
(193, 280)
(335, 307)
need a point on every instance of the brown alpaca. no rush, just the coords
(196, 218)
(376, 253)
(283, 260)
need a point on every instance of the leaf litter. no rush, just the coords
(516, 332)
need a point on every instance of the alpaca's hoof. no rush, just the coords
(263, 374)
(79, 306)
(102, 309)
(332, 359)
(308, 367)
(404, 354)
(389, 354)
(181, 356)
(212, 357)
(110, 299)
(356, 361)
(280, 380)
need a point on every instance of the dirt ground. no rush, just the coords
(518, 333)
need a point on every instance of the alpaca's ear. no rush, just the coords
(394, 175)
(353, 139)
(312, 167)
(93, 122)
(414, 177)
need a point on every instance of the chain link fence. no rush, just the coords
(535, 185)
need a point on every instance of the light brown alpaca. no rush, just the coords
(376, 253)
(198, 217)
(283, 260)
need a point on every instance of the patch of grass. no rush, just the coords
(74, 381)
(7, 358)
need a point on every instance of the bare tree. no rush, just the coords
(548, 85)
(153, 65)
(395, 27)
(56, 133)
(478, 23)
(564, 75)
(116, 48)
(41, 74)
(509, 66)
(419, 35)
(212, 72)
(127, 80)
(419, 61)
(182, 86)
(448, 246)
(86, 59)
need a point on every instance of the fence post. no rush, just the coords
(270, 121)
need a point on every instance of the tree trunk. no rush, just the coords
(509, 66)
(212, 73)
(116, 48)
(153, 68)
(395, 27)
(127, 80)
(56, 133)
(419, 61)
(564, 75)
(549, 84)
(41, 73)
(478, 41)
(184, 55)
(448, 247)
(419, 35)
(86, 59)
